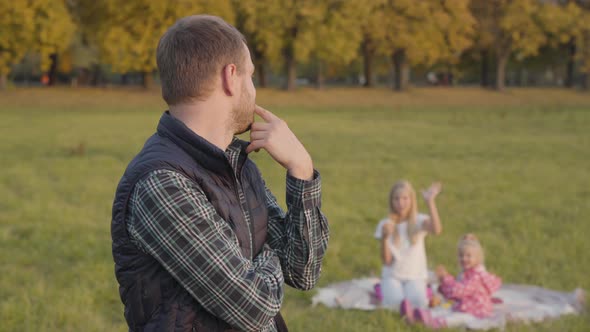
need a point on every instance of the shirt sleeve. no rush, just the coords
(453, 289)
(379, 229)
(299, 236)
(491, 282)
(172, 220)
(468, 287)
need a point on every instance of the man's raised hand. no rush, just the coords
(274, 136)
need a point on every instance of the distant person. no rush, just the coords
(471, 292)
(404, 273)
(199, 242)
(44, 79)
(432, 78)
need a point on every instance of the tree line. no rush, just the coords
(331, 34)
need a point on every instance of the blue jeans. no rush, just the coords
(395, 291)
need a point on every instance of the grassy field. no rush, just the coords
(515, 168)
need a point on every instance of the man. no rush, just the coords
(199, 242)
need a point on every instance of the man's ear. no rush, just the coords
(229, 79)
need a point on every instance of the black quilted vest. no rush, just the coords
(153, 300)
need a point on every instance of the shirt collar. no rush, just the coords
(236, 153)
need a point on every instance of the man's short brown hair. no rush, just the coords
(192, 51)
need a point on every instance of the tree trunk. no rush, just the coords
(320, 76)
(291, 73)
(84, 76)
(147, 79)
(450, 76)
(569, 74)
(501, 70)
(52, 74)
(261, 74)
(485, 68)
(368, 64)
(3, 81)
(290, 63)
(523, 77)
(400, 77)
(95, 76)
(260, 66)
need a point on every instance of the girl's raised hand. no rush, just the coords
(434, 189)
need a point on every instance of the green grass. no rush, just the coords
(515, 168)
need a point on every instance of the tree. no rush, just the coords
(484, 37)
(127, 32)
(457, 24)
(16, 32)
(573, 25)
(561, 21)
(282, 28)
(368, 26)
(42, 26)
(54, 29)
(249, 25)
(89, 16)
(423, 32)
(288, 32)
(509, 27)
(337, 37)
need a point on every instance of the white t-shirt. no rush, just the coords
(409, 260)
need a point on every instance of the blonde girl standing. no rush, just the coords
(404, 273)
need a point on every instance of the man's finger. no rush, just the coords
(255, 145)
(257, 135)
(264, 114)
(259, 126)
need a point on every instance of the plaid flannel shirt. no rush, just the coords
(171, 219)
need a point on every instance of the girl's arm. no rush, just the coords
(433, 225)
(481, 284)
(492, 282)
(386, 254)
(453, 289)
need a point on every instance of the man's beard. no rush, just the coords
(243, 114)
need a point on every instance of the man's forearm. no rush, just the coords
(301, 235)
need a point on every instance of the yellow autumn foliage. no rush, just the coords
(127, 32)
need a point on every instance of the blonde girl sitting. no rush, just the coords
(404, 272)
(471, 291)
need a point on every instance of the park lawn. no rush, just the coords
(515, 168)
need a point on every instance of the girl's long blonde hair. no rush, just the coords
(413, 229)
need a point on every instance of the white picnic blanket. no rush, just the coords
(521, 303)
